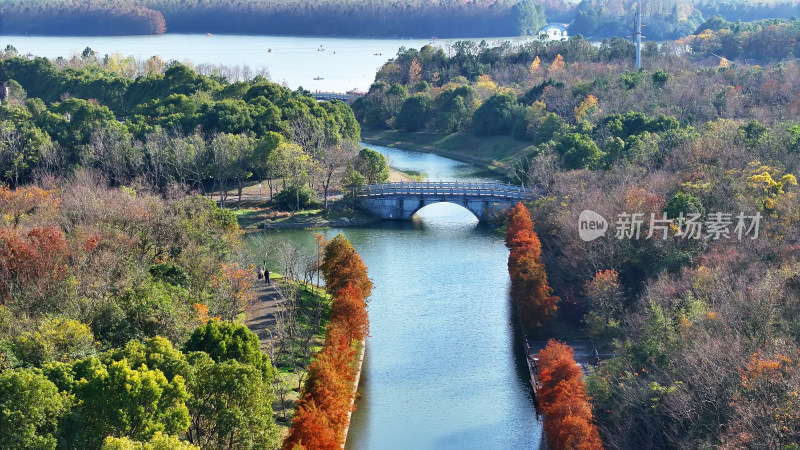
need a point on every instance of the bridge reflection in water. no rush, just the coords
(488, 201)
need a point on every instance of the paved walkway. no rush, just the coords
(260, 316)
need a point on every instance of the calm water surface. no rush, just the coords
(442, 368)
(345, 63)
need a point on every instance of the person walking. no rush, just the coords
(266, 276)
(259, 273)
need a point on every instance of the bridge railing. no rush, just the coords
(460, 188)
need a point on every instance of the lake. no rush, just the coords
(343, 63)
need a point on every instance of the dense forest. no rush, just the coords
(174, 131)
(665, 19)
(442, 18)
(699, 154)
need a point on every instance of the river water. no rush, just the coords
(443, 369)
(342, 63)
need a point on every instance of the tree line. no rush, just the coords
(326, 401)
(584, 102)
(442, 18)
(77, 18)
(756, 42)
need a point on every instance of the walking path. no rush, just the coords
(260, 316)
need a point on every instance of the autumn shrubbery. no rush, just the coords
(324, 405)
(529, 288)
(562, 398)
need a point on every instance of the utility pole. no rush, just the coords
(637, 34)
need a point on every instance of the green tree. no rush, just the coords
(414, 113)
(118, 400)
(228, 340)
(231, 405)
(352, 181)
(495, 115)
(55, 340)
(30, 409)
(683, 204)
(578, 151)
(531, 17)
(373, 166)
(294, 165)
(159, 441)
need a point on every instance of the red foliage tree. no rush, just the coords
(562, 398)
(519, 219)
(32, 262)
(342, 265)
(529, 288)
(311, 430)
(327, 398)
(349, 312)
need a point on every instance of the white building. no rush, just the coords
(554, 32)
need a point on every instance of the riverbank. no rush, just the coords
(362, 349)
(495, 154)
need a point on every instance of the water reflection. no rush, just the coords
(445, 216)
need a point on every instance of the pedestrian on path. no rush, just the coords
(266, 276)
(259, 273)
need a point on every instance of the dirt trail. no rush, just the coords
(260, 316)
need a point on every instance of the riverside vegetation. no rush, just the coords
(119, 305)
(118, 327)
(327, 398)
(704, 330)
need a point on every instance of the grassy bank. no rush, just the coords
(495, 153)
(261, 217)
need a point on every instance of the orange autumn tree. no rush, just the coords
(342, 265)
(311, 430)
(349, 312)
(563, 399)
(327, 397)
(529, 288)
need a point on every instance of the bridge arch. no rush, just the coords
(462, 207)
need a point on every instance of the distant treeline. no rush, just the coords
(749, 10)
(442, 18)
(79, 19)
(756, 42)
(665, 19)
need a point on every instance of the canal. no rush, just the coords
(443, 368)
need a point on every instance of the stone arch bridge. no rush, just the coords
(488, 201)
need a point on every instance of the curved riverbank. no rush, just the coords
(495, 155)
